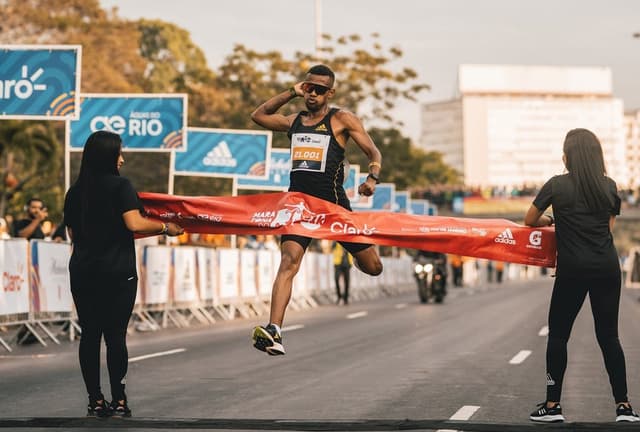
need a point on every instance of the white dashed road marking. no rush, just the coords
(357, 315)
(544, 331)
(292, 327)
(158, 354)
(520, 357)
(463, 413)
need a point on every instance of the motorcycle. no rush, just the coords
(431, 277)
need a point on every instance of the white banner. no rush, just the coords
(184, 274)
(50, 265)
(266, 272)
(207, 264)
(14, 297)
(157, 268)
(248, 285)
(228, 260)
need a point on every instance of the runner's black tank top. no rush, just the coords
(317, 166)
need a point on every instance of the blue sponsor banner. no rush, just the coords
(402, 200)
(384, 197)
(225, 153)
(279, 170)
(419, 207)
(146, 122)
(350, 184)
(39, 81)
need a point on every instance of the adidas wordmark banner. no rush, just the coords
(39, 81)
(301, 214)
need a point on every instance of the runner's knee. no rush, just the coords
(373, 268)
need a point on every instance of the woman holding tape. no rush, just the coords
(585, 203)
(102, 212)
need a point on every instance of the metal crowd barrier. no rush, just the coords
(177, 286)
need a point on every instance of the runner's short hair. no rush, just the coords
(323, 70)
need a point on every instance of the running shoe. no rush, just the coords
(547, 415)
(268, 339)
(120, 409)
(626, 414)
(98, 408)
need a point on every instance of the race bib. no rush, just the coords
(309, 152)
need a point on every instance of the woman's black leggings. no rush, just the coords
(566, 301)
(104, 308)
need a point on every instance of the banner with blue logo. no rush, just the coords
(145, 121)
(279, 170)
(419, 207)
(350, 185)
(402, 202)
(384, 197)
(225, 153)
(39, 81)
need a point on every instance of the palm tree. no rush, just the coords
(30, 151)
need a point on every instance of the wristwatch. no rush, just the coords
(375, 177)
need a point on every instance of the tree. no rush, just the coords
(32, 153)
(403, 164)
(367, 83)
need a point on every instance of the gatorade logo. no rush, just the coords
(220, 155)
(23, 88)
(505, 237)
(535, 240)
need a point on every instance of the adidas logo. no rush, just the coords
(303, 164)
(220, 155)
(550, 381)
(505, 237)
(321, 128)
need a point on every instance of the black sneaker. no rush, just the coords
(268, 339)
(548, 415)
(626, 414)
(120, 409)
(98, 408)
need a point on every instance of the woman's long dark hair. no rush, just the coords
(585, 164)
(99, 158)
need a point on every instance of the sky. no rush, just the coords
(436, 36)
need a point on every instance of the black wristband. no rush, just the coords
(292, 92)
(551, 219)
(375, 177)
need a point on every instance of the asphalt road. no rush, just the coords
(390, 364)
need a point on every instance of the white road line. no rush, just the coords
(158, 354)
(520, 357)
(292, 327)
(35, 356)
(544, 331)
(357, 315)
(401, 305)
(463, 413)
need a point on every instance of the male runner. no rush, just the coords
(327, 130)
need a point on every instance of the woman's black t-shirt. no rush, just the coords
(584, 241)
(102, 244)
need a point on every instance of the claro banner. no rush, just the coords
(301, 214)
(39, 81)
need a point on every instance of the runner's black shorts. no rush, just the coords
(352, 248)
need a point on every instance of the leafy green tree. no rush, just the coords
(403, 164)
(32, 153)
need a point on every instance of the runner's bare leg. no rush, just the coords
(291, 257)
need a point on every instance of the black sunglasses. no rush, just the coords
(319, 89)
